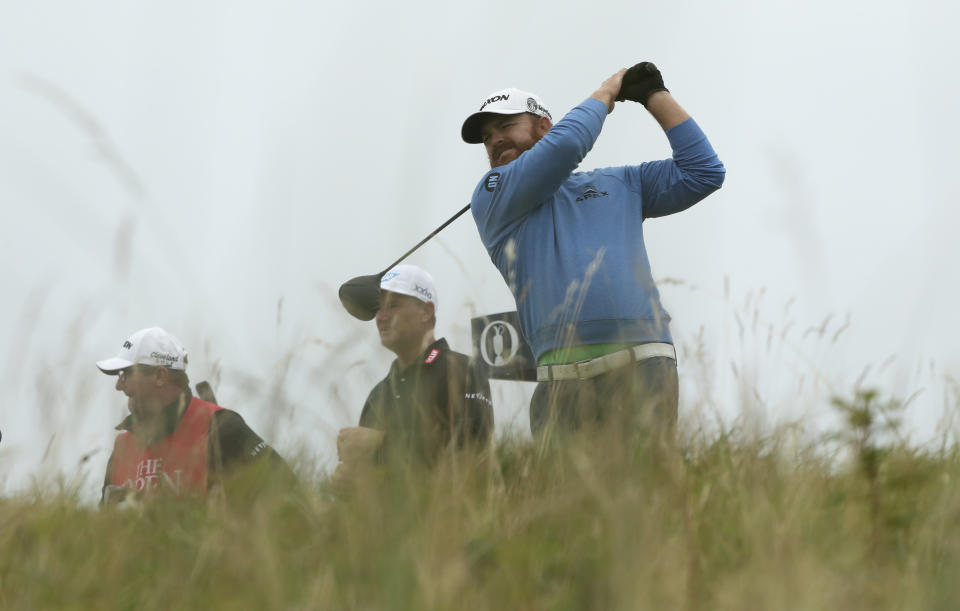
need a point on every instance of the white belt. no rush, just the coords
(583, 370)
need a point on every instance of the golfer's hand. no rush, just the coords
(358, 444)
(610, 89)
(640, 82)
(344, 480)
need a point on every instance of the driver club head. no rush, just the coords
(360, 296)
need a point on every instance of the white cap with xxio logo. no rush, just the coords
(410, 280)
(152, 346)
(509, 101)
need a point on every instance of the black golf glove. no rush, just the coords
(640, 82)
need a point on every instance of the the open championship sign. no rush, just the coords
(499, 346)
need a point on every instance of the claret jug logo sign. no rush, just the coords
(499, 343)
(498, 346)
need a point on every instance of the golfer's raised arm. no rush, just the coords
(666, 110)
(694, 171)
(508, 193)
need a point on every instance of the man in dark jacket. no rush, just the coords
(433, 398)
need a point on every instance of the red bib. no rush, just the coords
(176, 464)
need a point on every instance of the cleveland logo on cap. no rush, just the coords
(164, 356)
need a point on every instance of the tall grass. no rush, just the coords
(729, 520)
(733, 518)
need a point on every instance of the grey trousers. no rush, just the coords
(639, 398)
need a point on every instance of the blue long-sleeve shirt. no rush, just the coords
(570, 244)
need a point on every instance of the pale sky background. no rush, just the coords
(219, 168)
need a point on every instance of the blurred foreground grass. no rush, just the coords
(857, 521)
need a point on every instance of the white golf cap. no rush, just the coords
(410, 280)
(152, 346)
(509, 101)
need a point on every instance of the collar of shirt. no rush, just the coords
(170, 415)
(440, 346)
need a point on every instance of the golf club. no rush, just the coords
(360, 296)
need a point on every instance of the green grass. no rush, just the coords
(727, 521)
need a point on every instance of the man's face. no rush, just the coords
(507, 136)
(138, 382)
(402, 321)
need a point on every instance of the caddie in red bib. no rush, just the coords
(172, 442)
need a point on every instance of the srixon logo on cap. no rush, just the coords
(496, 98)
(127, 345)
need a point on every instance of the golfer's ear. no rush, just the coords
(543, 126)
(429, 310)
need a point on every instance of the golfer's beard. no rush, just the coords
(520, 151)
(135, 407)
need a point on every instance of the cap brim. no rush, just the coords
(112, 366)
(470, 132)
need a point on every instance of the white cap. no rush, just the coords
(152, 346)
(410, 280)
(509, 101)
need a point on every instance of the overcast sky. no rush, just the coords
(219, 168)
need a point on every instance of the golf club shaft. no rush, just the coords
(424, 240)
